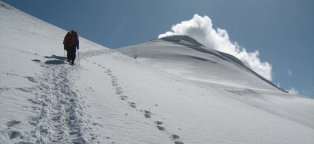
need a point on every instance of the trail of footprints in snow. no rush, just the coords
(13, 133)
(58, 105)
(147, 114)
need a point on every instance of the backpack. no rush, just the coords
(73, 38)
(70, 39)
(66, 40)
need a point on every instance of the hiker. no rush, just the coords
(71, 42)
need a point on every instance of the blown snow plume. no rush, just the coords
(201, 29)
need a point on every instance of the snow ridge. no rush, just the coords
(194, 44)
(5, 6)
(180, 38)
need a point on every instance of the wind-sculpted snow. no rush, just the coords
(191, 43)
(180, 39)
(185, 57)
(165, 91)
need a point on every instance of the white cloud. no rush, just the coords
(201, 29)
(293, 91)
(289, 72)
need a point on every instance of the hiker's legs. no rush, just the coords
(72, 55)
(66, 48)
(68, 56)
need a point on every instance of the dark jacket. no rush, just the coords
(71, 41)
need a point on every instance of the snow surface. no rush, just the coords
(161, 91)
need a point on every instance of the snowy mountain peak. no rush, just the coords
(185, 57)
(194, 44)
(170, 91)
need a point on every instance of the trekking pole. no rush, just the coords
(64, 54)
(78, 56)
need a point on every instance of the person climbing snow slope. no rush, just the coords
(71, 43)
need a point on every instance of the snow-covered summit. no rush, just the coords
(192, 43)
(165, 91)
(184, 56)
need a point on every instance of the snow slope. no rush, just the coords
(166, 92)
(187, 58)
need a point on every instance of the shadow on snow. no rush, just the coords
(56, 60)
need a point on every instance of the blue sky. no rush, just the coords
(281, 30)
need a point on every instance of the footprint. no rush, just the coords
(118, 88)
(132, 104)
(14, 134)
(175, 137)
(114, 83)
(119, 92)
(161, 128)
(158, 122)
(147, 114)
(114, 80)
(36, 60)
(108, 71)
(12, 123)
(31, 79)
(4, 89)
(178, 142)
(97, 124)
(123, 97)
(114, 77)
